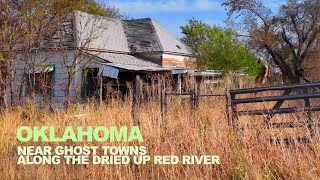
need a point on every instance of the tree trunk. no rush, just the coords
(69, 89)
(287, 79)
(299, 77)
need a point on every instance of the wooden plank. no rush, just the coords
(278, 111)
(280, 102)
(298, 124)
(277, 98)
(234, 113)
(136, 99)
(275, 88)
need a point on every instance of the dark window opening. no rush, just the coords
(40, 83)
(90, 83)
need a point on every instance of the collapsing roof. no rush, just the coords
(145, 35)
(121, 44)
(112, 69)
(127, 36)
(124, 59)
(112, 63)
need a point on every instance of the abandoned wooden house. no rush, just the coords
(86, 47)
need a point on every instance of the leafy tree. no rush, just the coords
(217, 48)
(287, 37)
(93, 7)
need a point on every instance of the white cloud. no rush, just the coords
(144, 6)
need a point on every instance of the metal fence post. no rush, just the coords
(234, 114)
(227, 106)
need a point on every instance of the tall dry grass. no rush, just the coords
(182, 131)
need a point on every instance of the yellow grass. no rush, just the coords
(182, 132)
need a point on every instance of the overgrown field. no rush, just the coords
(181, 132)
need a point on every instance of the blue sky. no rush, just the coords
(175, 13)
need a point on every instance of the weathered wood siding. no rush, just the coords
(169, 60)
(60, 60)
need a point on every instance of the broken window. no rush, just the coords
(41, 81)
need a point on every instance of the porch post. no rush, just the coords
(101, 88)
(136, 98)
(179, 84)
